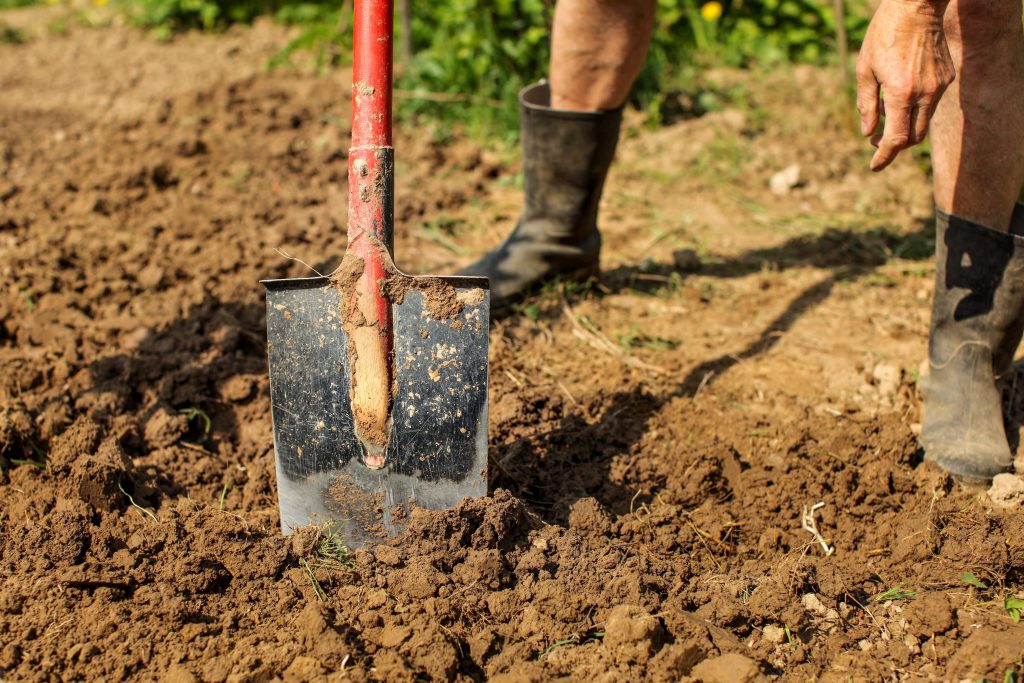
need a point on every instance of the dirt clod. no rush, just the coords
(930, 614)
(727, 668)
(632, 634)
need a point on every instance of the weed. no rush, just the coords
(1014, 607)
(27, 296)
(223, 495)
(193, 413)
(572, 640)
(11, 36)
(61, 26)
(331, 551)
(971, 580)
(635, 338)
(442, 229)
(38, 464)
(789, 637)
(131, 500)
(317, 588)
(893, 594)
(39, 461)
(531, 311)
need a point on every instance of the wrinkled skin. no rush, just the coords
(904, 56)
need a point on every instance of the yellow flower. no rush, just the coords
(711, 10)
(99, 3)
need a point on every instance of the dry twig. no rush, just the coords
(602, 343)
(808, 524)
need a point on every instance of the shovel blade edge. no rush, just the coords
(437, 451)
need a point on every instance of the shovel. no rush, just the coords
(378, 379)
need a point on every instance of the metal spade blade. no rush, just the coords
(437, 450)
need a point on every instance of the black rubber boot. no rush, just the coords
(566, 155)
(976, 326)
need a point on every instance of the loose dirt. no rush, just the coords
(655, 437)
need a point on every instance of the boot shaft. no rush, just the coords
(979, 289)
(566, 156)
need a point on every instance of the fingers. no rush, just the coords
(896, 136)
(921, 118)
(868, 103)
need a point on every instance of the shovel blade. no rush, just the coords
(437, 451)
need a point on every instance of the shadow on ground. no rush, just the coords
(580, 451)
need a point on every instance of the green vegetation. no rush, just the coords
(145, 511)
(39, 461)
(464, 61)
(14, 4)
(1014, 607)
(331, 551)
(11, 36)
(193, 413)
(893, 594)
(971, 580)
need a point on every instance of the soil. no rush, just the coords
(656, 437)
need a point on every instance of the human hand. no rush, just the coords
(904, 57)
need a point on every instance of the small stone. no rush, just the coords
(813, 604)
(1007, 491)
(774, 634)
(886, 377)
(134, 339)
(151, 276)
(865, 646)
(785, 180)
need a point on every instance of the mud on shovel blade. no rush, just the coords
(437, 451)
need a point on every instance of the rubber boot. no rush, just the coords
(566, 155)
(976, 326)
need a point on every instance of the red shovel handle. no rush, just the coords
(370, 221)
(370, 164)
(371, 73)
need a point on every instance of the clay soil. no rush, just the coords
(655, 436)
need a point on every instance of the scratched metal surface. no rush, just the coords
(437, 453)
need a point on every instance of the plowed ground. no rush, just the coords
(655, 437)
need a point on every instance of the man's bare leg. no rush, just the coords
(978, 305)
(978, 130)
(597, 50)
(570, 128)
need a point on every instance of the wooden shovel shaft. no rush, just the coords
(370, 223)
